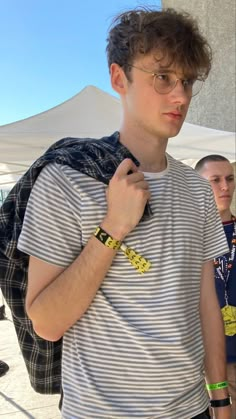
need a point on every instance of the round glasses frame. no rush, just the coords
(194, 89)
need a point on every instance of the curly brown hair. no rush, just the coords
(174, 35)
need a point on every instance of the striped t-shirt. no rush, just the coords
(137, 352)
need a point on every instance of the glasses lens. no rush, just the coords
(197, 85)
(163, 84)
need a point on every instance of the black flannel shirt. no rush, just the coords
(95, 158)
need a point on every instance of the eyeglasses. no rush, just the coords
(164, 83)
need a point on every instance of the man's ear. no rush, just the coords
(118, 78)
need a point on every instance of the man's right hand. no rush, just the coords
(127, 195)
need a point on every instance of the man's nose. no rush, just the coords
(224, 185)
(179, 93)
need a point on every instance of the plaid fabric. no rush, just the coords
(95, 158)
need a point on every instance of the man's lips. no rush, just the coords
(173, 115)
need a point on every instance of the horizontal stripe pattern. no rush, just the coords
(137, 352)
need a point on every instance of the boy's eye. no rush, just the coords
(188, 82)
(163, 77)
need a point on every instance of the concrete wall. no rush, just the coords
(214, 107)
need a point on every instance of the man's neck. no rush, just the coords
(149, 151)
(225, 215)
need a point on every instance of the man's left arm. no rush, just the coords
(213, 338)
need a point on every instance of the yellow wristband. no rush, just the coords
(137, 261)
(107, 240)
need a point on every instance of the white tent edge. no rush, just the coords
(21, 142)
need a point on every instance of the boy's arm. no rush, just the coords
(56, 297)
(214, 338)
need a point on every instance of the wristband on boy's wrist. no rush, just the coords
(221, 403)
(137, 261)
(217, 386)
(107, 240)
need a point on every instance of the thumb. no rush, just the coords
(126, 167)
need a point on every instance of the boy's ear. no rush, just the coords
(118, 78)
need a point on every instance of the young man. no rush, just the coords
(219, 172)
(125, 273)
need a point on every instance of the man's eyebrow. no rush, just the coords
(229, 175)
(165, 69)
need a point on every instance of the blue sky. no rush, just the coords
(52, 49)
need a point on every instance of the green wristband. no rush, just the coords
(217, 386)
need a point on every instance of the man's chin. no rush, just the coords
(174, 128)
(174, 132)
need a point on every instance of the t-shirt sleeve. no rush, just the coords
(51, 228)
(214, 242)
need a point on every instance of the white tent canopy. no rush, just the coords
(92, 113)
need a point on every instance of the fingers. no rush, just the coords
(137, 177)
(127, 195)
(126, 166)
(129, 171)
